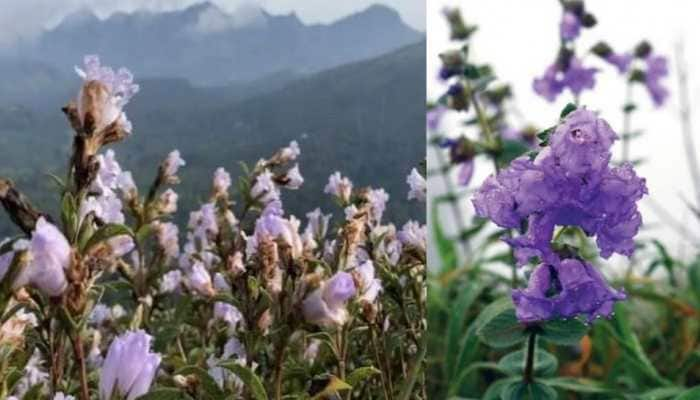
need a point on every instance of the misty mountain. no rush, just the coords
(361, 119)
(207, 46)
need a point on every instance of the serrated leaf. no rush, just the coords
(545, 363)
(249, 378)
(528, 391)
(563, 332)
(361, 374)
(498, 326)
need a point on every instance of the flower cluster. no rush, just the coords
(122, 307)
(569, 183)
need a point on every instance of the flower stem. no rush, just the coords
(530, 358)
(279, 361)
(80, 358)
(626, 121)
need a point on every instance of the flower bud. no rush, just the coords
(199, 280)
(417, 185)
(167, 202)
(170, 166)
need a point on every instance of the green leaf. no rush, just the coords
(620, 328)
(568, 109)
(528, 391)
(107, 232)
(563, 332)
(510, 150)
(207, 383)
(544, 135)
(495, 389)
(445, 247)
(498, 327)
(334, 386)
(455, 325)
(690, 394)
(580, 385)
(361, 374)
(249, 378)
(165, 394)
(545, 363)
(662, 393)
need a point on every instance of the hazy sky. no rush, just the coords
(25, 18)
(520, 39)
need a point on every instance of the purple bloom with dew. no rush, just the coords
(570, 26)
(570, 183)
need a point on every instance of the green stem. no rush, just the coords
(626, 122)
(530, 358)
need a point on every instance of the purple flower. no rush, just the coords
(104, 94)
(569, 184)
(221, 182)
(50, 257)
(565, 289)
(326, 305)
(339, 186)
(570, 26)
(657, 68)
(577, 77)
(549, 85)
(461, 154)
(129, 367)
(417, 185)
(621, 61)
(434, 116)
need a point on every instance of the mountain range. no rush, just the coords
(207, 46)
(360, 117)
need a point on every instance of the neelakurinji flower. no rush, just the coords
(417, 185)
(292, 179)
(556, 78)
(318, 223)
(570, 183)
(565, 290)
(221, 181)
(325, 306)
(50, 258)
(570, 26)
(170, 166)
(657, 68)
(103, 95)
(462, 154)
(129, 367)
(339, 187)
